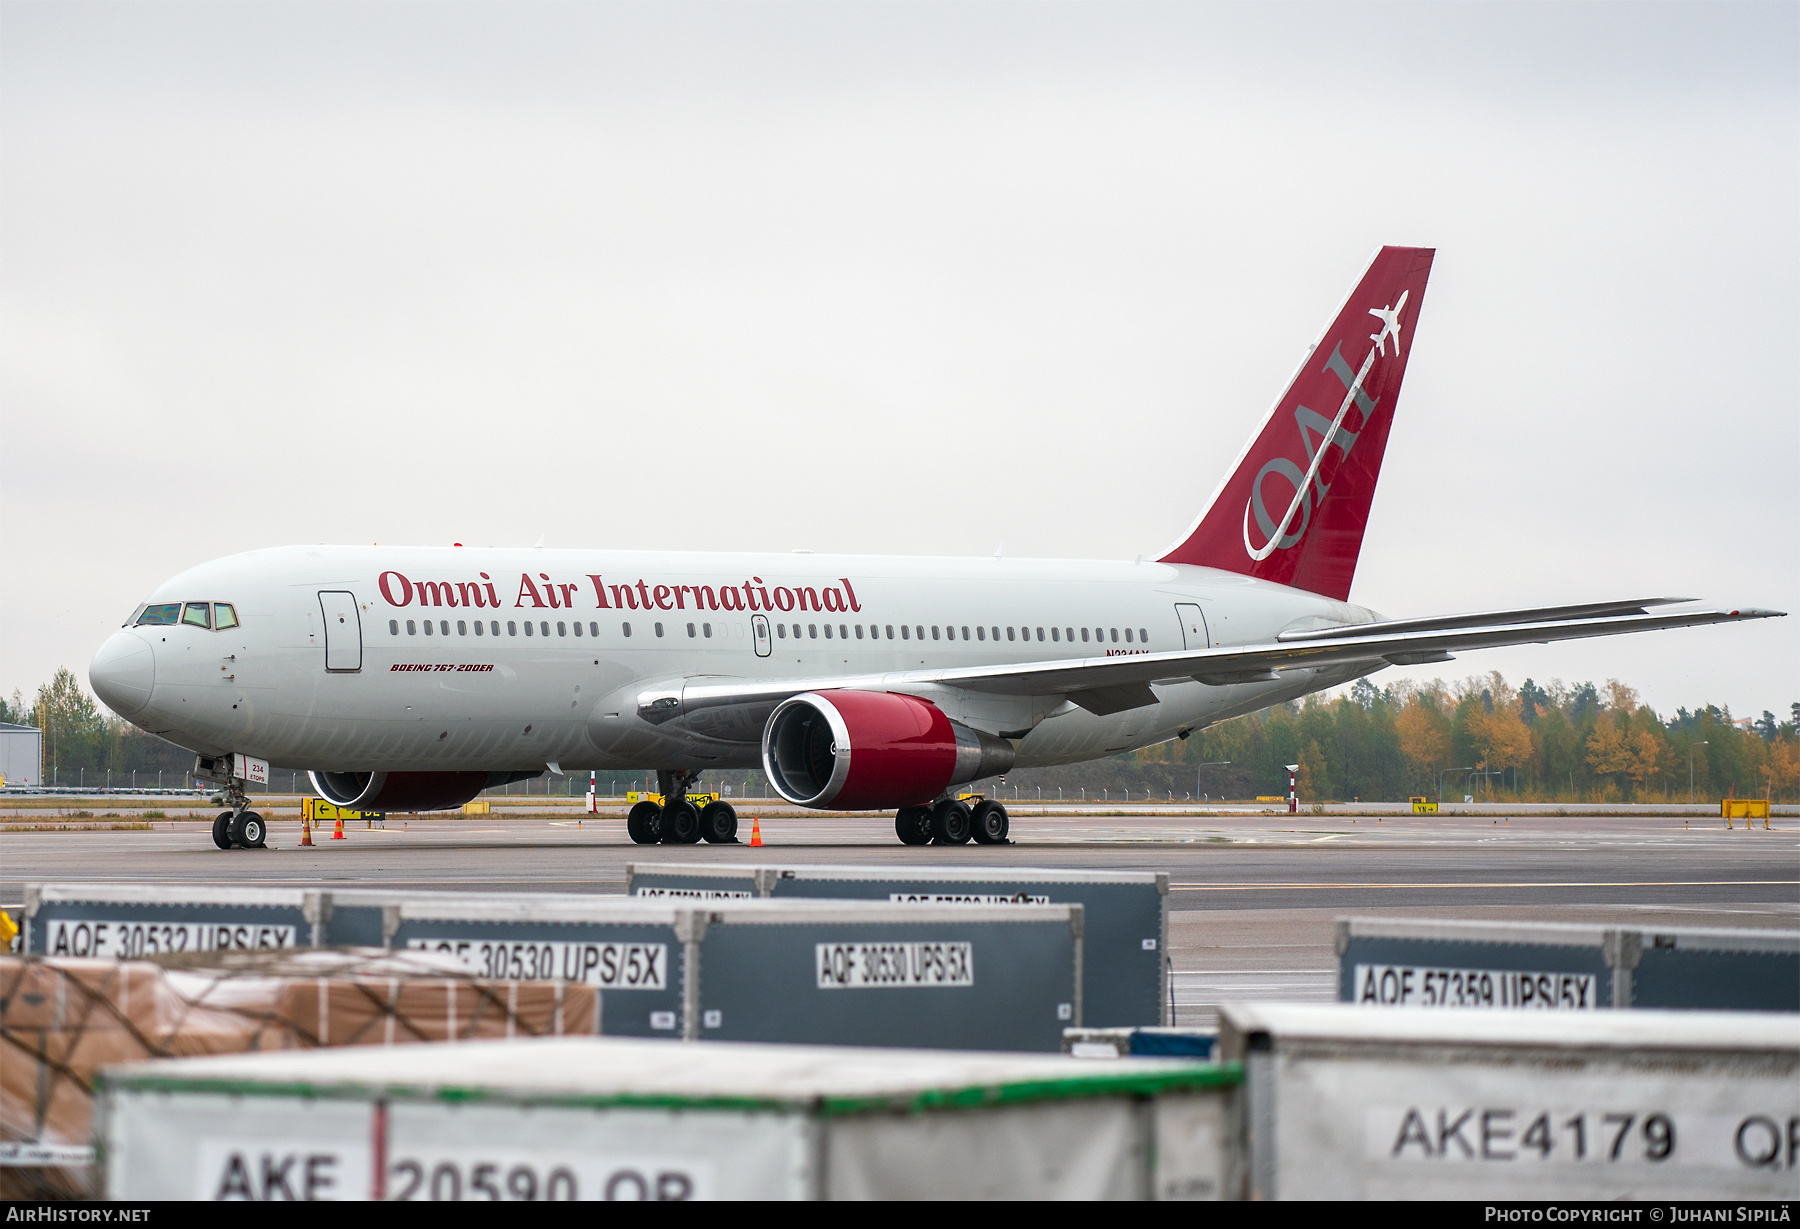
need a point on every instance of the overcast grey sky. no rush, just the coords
(913, 278)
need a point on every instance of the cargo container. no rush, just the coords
(629, 1119)
(1192, 1043)
(863, 972)
(1125, 929)
(1411, 962)
(1426, 1103)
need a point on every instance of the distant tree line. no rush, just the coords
(1479, 736)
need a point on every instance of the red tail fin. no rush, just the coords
(1294, 508)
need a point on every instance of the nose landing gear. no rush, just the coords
(240, 827)
(671, 819)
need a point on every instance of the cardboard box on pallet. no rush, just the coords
(62, 1020)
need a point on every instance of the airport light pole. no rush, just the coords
(1207, 764)
(1441, 772)
(1691, 746)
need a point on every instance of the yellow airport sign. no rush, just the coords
(320, 811)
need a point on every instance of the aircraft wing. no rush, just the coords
(1104, 685)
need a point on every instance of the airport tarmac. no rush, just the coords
(1253, 897)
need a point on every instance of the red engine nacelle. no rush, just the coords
(867, 750)
(406, 791)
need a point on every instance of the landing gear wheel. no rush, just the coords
(913, 825)
(642, 823)
(951, 823)
(990, 823)
(222, 830)
(680, 823)
(718, 824)
(248, 830)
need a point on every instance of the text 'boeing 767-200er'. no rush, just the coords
(410, 679)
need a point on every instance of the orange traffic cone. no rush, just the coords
(338, 834)
(755, 832)
(305, 831)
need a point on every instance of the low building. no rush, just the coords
(21, 755)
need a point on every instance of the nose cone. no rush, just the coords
(123, 672)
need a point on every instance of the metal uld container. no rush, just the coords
(1415, 962)
(608, 1118)
(1125, 928)
(977, 977)
(633, 951)
(136, 921)
(1195, 1043)
(1423, 1103)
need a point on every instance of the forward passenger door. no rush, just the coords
(343, 631)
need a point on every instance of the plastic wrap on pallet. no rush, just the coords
(62, 1020)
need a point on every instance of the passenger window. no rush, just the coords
(512, 629)
(693, 632)
(494, 627)
(1069, 634)
(528, 630)
(844, 632)
(393, 627)
(934, 631)
(412, 629)
(444, 626)
(859, 634)
(905, 632)
(1115, 632)
(1084, 635)
(224, 616)
(996, 632)
(1143, 636)
(625, 627)
(161, 615)
(706, 628)
(965, 633)
(1128, 635)
(981, 633)
(1054, 635)
(198, 614)
(578, 629)
(562, 629)
(781, 630)
(462, 628)
(828, 631)
(594, 630)
(796, 631)
(480, 628)
(1040, 633)
(1009, 633)
(428, 628)
(544, 628)
(659, 629)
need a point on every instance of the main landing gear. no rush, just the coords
(676, 821)
(953, 821)
(240, 827)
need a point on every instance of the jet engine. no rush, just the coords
(406, 791)
(871, 750)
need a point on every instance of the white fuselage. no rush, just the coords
(396, 698)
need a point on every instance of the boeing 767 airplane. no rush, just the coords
(410, 679)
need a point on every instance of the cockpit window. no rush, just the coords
(162, 614)
(224, 616)
(198, 614)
